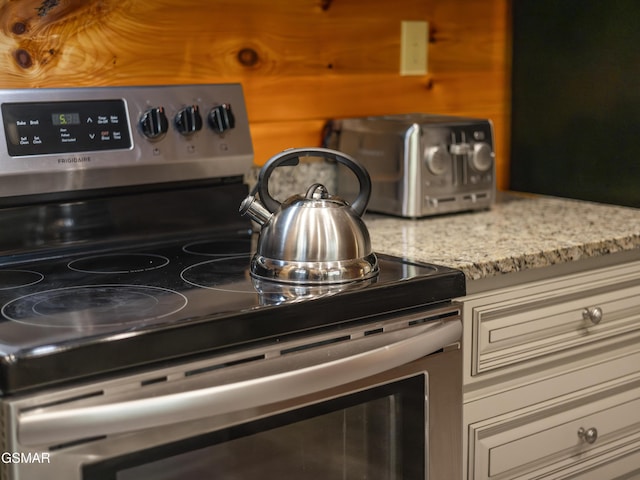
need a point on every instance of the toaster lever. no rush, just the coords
(460, 149)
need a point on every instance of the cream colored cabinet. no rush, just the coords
(552, 378)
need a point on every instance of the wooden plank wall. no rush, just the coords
(300, 62)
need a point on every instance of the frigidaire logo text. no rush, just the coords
(74, 160)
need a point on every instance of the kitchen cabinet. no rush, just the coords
(536, 356)
(551, 378)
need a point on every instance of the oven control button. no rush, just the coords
(438, 160)
(481, 159)
(221, 118)
(154, 123)
(188, 120)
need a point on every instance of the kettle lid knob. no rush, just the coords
(317, 191)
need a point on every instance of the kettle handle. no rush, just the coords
(292, 156)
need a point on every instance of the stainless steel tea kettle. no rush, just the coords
(315, 238)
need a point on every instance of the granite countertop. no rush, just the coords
(518, 233)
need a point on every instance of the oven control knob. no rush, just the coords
(188, 120)
(438, 160)
(481, 159)
(221, 118)
(154, 123)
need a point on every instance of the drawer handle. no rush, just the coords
(589, 436)
(594, 314)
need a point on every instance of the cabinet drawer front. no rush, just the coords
(509, 332)
(546, 443)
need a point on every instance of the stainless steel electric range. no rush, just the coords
(134, 343)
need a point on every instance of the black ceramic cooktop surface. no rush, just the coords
(70, 317)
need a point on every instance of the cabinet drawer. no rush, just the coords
(545, 443)
(512, 331)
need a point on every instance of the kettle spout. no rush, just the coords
(256, 212)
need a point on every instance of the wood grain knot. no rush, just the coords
(23, 58)
(432, 34)
(46, 6)
(430, 84)
(248, 57)
(325, 4)
(19, 28)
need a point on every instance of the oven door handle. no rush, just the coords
(55, 426)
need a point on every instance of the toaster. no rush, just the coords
(420, 164)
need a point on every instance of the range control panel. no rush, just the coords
(64, 127)
(56, 140)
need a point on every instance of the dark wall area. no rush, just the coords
(576, 99)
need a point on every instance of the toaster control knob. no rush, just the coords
(438, 160)
(154, 123)
(221, 118)
(482, 157)
(188, 120)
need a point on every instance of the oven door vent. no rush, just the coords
(229, 384)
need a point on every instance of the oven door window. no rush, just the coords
(378, 433)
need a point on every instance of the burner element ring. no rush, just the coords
(10, 279)
(94, 306)
(119, 263)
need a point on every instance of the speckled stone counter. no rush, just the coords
(518, 233)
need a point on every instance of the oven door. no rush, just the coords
(350, 410)
(375, 433)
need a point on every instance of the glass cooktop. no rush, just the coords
(96, 312)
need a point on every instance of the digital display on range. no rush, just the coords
(66, 118)
(40, 128)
